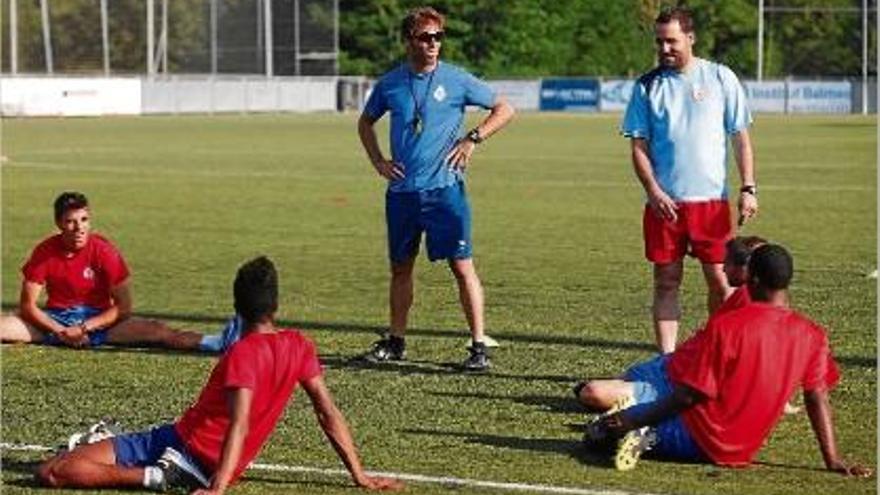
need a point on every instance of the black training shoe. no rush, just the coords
(478, 359)
(596, 436)
(180, 472)
(386, 349)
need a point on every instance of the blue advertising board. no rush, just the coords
(570, 95)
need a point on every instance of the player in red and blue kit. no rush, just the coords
(678, 120)
(633, 386)
(426, 99)
(720, 394)
(87, 282)
(215, 440)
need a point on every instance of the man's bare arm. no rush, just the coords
(31, 312)
(745, 163)
(658, 200)
(819, 410)
(384, 167)
(337, 432)
(682, 397)
(499, 116)
(239, 403)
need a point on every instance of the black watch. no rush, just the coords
(474, 136)
(752, 189)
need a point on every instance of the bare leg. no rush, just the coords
(667, 312)
(470, 293)
(89, 466)
(14, 329)
(136, 330)
(716, 282)
(600, 395)
(401, 295)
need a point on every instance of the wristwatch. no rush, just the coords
(474, 136)
(752, 189)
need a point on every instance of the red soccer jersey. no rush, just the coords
(737, 299)
(77, 278)
(270, 365)
(748, 363)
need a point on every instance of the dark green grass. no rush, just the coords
(558, 244)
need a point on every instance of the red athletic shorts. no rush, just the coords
(704, 226)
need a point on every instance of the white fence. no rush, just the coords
(69, 96)
(66, 96)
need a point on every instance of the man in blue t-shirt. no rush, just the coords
(429, 153)
(678, 120)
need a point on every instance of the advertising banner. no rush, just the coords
(615, 94)
(819, 97)
(570, 95)
(523, 95)
(766, 96)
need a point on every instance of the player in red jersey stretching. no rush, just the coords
(88, 286)
(211, 445)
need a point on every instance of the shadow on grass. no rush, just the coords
(539, 337)
(777, 465)
(570, 448)
(290, 479)
(26, 469)
(411, 367)
(564, 404)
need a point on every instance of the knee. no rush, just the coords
(463, 270)
(717, 283)
(401, 272)
(591, 396)
(667, 282)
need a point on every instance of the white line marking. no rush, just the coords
(447, 481)
(25, 447)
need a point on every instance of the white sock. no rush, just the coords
(154, 478)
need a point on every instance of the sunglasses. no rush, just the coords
(427, 37)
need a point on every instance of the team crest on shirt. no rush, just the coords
(88, 273)
(699, 93)
(440, 93)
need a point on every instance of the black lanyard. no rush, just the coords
(420, 117)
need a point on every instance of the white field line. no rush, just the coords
(447, 481)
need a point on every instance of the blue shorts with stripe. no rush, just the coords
(71, 317)
(651, 383)
(144, 448)
(443, 215)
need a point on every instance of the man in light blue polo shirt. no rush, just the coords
(427, 99)
(678, 120)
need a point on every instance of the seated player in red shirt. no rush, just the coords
(88, 286)
(719, 396)
(603, 395)
(211, 445)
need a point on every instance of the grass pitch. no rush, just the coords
(557, 239)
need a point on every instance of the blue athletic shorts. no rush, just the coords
(144, 448)
(74, 316)
(443, 214)
(651, 383)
